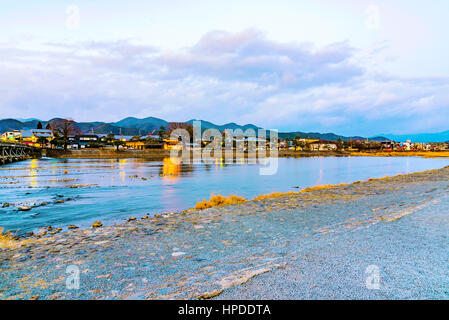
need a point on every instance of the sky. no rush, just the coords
(352, 67)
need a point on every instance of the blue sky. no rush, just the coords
(349, 67)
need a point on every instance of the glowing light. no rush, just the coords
(33, 172)
(170, 169)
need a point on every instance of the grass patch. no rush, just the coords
(424, 154)
(323, 187)
(9, 241)
(282, 194)
(219, 200)
(273, 195)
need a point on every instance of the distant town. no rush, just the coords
(67, 135)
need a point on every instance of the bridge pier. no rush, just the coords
(17, 152)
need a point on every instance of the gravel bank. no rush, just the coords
(309, 245)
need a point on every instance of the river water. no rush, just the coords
(80, 191)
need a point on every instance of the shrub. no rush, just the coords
(219, 200)
(8, 241)
(273, 195)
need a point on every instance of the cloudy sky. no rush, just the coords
(352, 67)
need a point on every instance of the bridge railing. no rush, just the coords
(10, 152)
(17, 145)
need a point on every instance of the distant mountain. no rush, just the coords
(106, 128)
(82, 127)
(127, 126)
(136, 126)
(421, 137)
(146, 124)
(209, 125)
(10, 124)
(87, 126)
(13, 124)
(316, 135)
(29, 119)
(33, 124)
(205, 124)
(379, 138)
(61, 124)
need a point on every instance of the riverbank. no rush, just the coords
(314, 244)
(155, 155)
(300, 154)
(158, 155)
(423, 154)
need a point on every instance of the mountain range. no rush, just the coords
(135, 126)
(127, 126)
(421, 137)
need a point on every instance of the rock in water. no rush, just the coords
(209, 295)
(177, 254)
(97, 224)
(24, 208)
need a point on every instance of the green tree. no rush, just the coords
(110, 137)
(161, 132)
(57, 141)
(118, 143)
(172, 126)
(295, 143)
(65, 128)
(42, 141)
(299, 143)
(339, 144)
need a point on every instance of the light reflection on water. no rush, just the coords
(135, 187)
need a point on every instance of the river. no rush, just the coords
(80, 191)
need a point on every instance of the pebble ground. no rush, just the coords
(312, 245)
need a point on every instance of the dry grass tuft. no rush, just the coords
(323, 187)
(219, 200)
(8, 241)
(424, 154)
(273, 195)
(380, 179)
(282, 194)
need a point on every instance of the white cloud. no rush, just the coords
(240, 77)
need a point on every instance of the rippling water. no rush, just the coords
(112, 190)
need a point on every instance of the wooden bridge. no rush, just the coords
(10, 152)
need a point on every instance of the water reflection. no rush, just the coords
(33, 172)
(121, 166)
(112, 190)
(171, 169)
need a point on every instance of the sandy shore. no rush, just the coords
(315, 244)
(424, 154)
